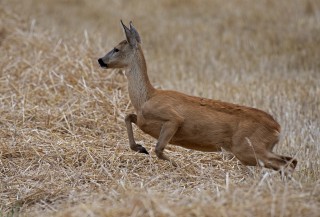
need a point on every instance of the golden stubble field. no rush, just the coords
(63, 144)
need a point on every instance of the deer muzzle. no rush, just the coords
(102, 64)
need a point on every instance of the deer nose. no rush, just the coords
(102, 64)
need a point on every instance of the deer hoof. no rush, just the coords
(141, 149)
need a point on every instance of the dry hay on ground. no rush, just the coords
(63, 143)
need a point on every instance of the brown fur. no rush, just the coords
(193, 122)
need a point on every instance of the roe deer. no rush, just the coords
(193, 122)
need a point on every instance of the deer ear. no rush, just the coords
(126, 30)
(135, 32)
(130, 35)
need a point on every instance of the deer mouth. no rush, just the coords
(102, 64)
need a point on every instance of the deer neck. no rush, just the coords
(139, 86)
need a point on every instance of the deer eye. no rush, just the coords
(115, 50)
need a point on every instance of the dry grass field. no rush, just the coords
(64, 150)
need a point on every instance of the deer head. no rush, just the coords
(122, 55)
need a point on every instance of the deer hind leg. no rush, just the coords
(280, 163)
(251, 152)
(168, 130)
(129, 119)
(277, 162)
(245, 153)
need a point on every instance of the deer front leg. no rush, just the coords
(168, 130)
(129, 119)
